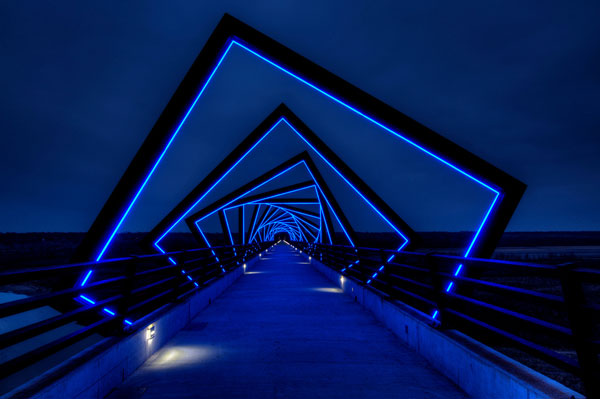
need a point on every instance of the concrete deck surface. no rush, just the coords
(283, 331)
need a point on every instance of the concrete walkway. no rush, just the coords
(283, 331)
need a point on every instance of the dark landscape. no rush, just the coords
(36, 249)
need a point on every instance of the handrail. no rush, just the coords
(124, 292)
(544, 314)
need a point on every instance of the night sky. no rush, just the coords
(514, 82)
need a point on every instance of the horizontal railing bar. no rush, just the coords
(152, 285)
(138, 305)
(31, 330)
(104, 263)
(457, 259)
(33, 302)
(426, 286)
(409, 267)
(147, 272)
(544, 353)
(18, 363)
(415, 296)
(415, 270)
(507, 312)
(502, 287)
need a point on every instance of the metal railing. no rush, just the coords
(122, 293)
(549, 312)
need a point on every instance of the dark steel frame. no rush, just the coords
(232, 196)
(230, 30)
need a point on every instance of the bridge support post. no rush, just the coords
(583, 330)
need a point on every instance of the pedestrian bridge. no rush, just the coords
(283, 330)
(287, 319)
(290, 301)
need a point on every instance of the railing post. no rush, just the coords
(439, 294)
(178, 275)
(126, 289)
(582, 328)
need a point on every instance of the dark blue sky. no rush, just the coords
(516, 83)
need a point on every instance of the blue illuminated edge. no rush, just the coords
(262, 201)
(381, 125)
(281, 219)
(286, 214)
(272, 218)
(281, 222)
(267, 181)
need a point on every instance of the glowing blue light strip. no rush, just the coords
(277, 222)
(284, 231)
(141, 188)
(330, 207)
(320, 236)
(85, 298)
(269, 218)
(110, 312)
(268, 225)
(283, 203)
(213, 252)
(254, 221)
(313, 87)
(293, 212)
(298, 232)
(275, 125)
(243, 234)
(276, 227)
(327, 226)
(229, 231)
(299, 212)
(299, 221)
(283, 210)
(213, 186)
(307, 227)
(162, 154)
(86, 278)
(347, 182)
(375, 274)
(106, 310)
(282, 194)
(274, 215)
(388, 130)
(253, 189)
(299, 228)
(351, 108)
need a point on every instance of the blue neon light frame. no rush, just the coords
(271, 221)
(262, 201)
(263, 183)
(256, 53)
(224, 207)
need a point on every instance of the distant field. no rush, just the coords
(31, 249)
(39, 249)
